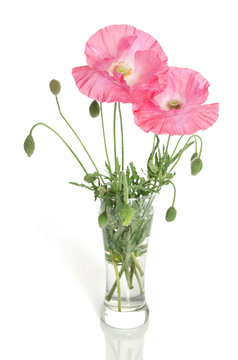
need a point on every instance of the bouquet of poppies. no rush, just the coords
(127, 65)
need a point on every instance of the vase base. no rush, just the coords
(124, 319)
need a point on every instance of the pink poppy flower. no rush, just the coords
(124, 65)
(178, 109)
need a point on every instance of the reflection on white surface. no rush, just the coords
(124, 344)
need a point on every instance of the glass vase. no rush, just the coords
(125, 248)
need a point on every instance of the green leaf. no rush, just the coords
(102, 219)
(171, 214)
(196, 166)
(153, 168)
(134, 172)
(55, 87)
(94, 109)
(126, 214)
(81, 185)
(29, 145)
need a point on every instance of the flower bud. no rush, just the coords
(91, 177)
(101, 190)
(114, 187)
(126, 214)
(102, 219)
(171, 214)
(194, 156)
(94, 109)
(55, 87)
(196, 166)
(29, 145)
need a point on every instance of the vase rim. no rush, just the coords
(138, 198)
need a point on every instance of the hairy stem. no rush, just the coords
(58, 105)
(184, 148)
(177, 145)
(122, 137)
(50, 128)
(174, 191)
(114, 138)
(167, 146)
(104, 138)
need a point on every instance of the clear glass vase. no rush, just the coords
(125, 247)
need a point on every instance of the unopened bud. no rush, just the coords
(102, 219)
(89, 178)
(194, 156)
(94, 109)
(196, 166)
(171, 214)
(101, 190)
(55, 87)
(29, 145)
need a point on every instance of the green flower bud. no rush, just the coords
(194, 156)
(91, 177)
(114, 187)
(29, 145)
(94, 109)
(102, 219)
(102, 190)
(55, 87)
(171, 214)
(169, 176)
(196, 166)
(126, 214)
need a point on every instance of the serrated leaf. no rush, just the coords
(81, 185)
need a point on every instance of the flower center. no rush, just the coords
(174, 104)
(122, 67)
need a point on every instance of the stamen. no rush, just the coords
(174, 104)
(122, 67)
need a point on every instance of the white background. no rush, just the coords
(51, 252)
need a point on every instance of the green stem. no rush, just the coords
(127, 277)
(123, 176)
(110, 293)
(177, 145)
(118, 281)
(153, 148)
(114, 138)
(138, 280)
(174, 191)
(122, 137)
(193, 136)
(200, 152)
(58, 105)
(104, 138)
(137, 264)
(167, 146)
(131, 276)
(50, 128)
